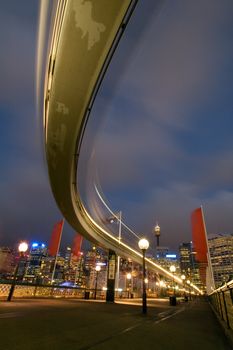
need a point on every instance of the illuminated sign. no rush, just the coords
(37, 245)
(171, 256)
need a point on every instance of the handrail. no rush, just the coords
(226, 286)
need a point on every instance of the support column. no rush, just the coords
(110, 295)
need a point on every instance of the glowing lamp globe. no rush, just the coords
(172, 268)
(23, 247)
(143, 244)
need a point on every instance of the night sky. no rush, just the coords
(163, 117)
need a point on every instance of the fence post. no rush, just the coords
(217, 303)
(225, 306)
(231, 293)
(220, 305)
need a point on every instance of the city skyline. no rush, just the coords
(173, 152)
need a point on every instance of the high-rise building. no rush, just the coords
(186, 265)
(68, 255)
(92, 258)
(166, 258)
(6, 261)
(221, 255)
(161, 252)
(37, 253)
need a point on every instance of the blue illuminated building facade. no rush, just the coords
(37, 254)
(166, 258)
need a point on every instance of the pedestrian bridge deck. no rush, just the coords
(86, 324)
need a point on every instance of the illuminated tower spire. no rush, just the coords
(157, 232)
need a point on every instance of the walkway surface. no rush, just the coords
(77, 324)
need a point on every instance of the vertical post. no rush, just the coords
(96, 281)
(231, 293)
(118, 257)
(173, 280)
(225, 307)
(220, 304)
(143, 245)
(144, 306)
(132, 285)
(14, 281)
(22, 248)
(118, 272)
(110, 295)
(119, 232)
(217, 303)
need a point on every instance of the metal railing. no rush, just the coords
(30, 290)
(25, 290)
(222, 301)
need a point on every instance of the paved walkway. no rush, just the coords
(75, 324)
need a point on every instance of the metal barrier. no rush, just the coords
(23, 290)
(222, 302)
(30, 290)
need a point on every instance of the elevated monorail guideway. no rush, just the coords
(82, 41)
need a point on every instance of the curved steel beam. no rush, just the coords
(85, 35)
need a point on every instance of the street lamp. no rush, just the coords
(129, 277)
(188, 282)
(22, 248)
(173, 270)
(183, 277)
(117, 218)
(143, 245)
(97, 269)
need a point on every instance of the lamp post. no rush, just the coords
(188, 282)
(97, 269)
(111, 220)
(22, 248)
(173, 270)
(183, 279)
(162, 285)
(143, 245)
(129, 277)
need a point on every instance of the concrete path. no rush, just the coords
(75, 324)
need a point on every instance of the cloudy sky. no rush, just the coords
(163, 144)
(27, 208)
